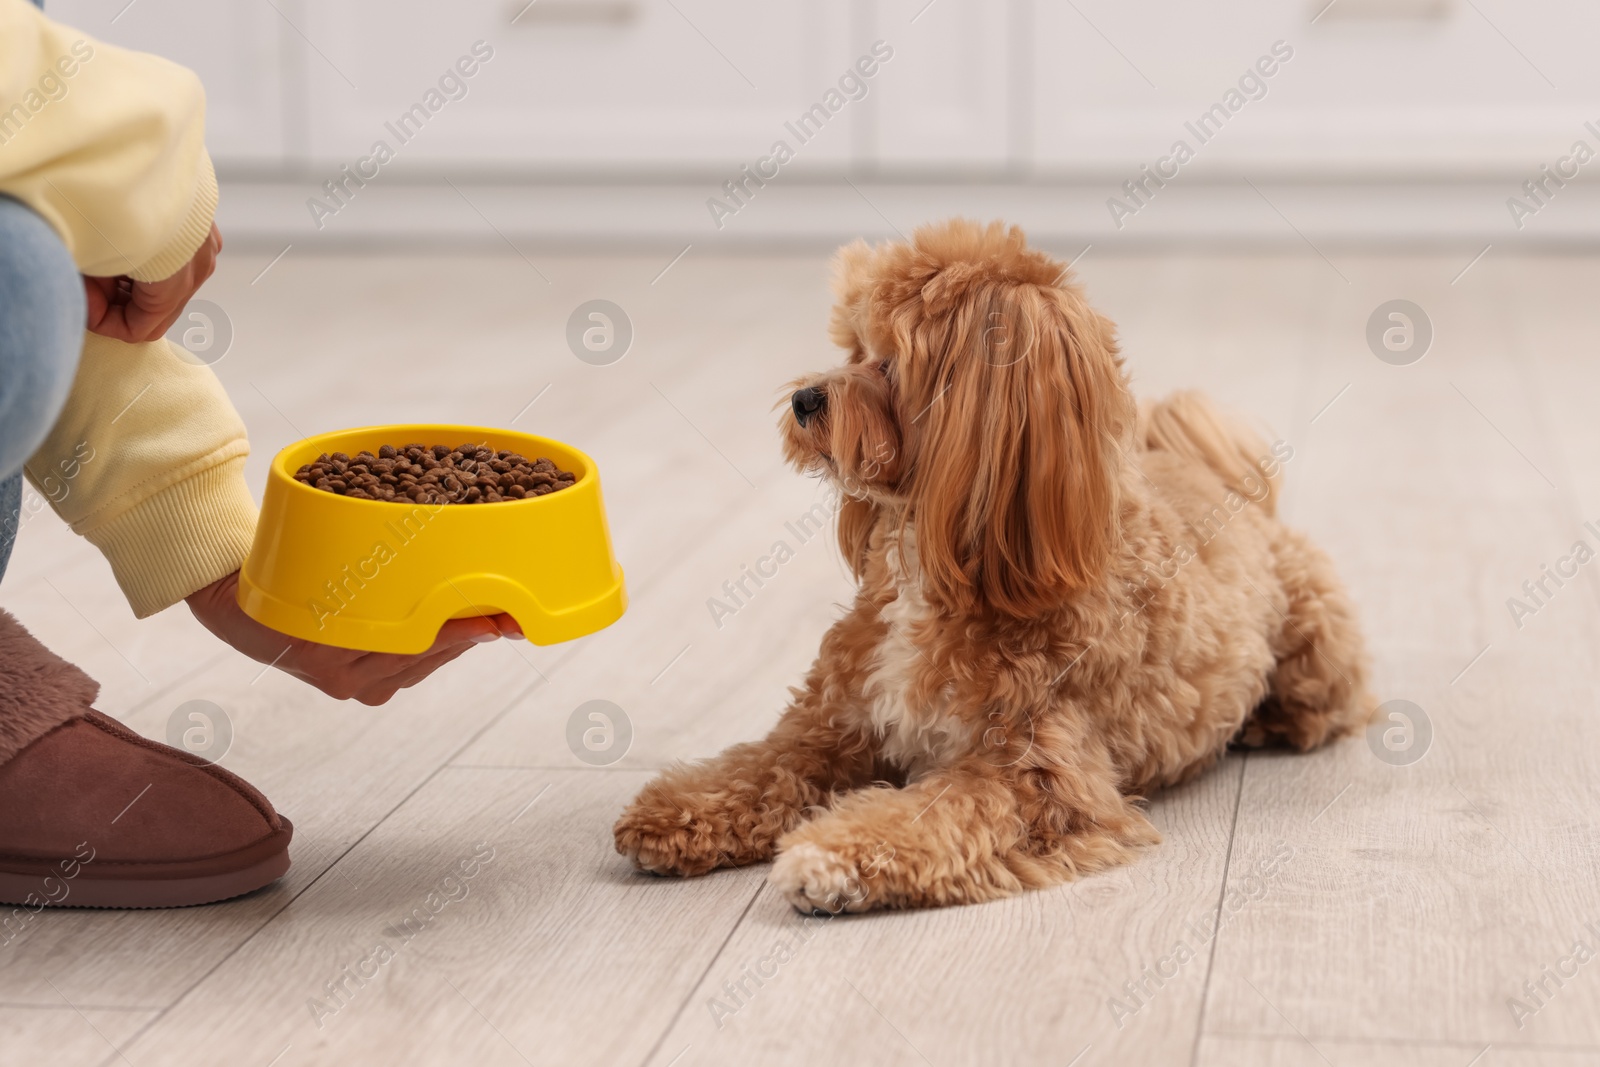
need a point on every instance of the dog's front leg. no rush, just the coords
(968, 833)
(730, 810)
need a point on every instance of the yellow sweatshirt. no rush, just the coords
(147, 458)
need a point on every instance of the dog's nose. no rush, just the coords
(807, 402)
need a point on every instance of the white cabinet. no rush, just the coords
(952, 88)
(1374, 86)
(983, 89)
(629, 86)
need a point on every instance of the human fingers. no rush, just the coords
(385, 674)
(472, 628)
(106, 304)
(155, 306)
(380, 691)
(344, 674)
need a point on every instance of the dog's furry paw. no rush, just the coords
(818, 881)
(688, 822)
(660, 846)
(650, 852)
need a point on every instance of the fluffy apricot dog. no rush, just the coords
(1064, 602)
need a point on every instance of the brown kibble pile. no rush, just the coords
(437, 474)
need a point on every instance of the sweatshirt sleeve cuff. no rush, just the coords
(195, 229)
(182, 539)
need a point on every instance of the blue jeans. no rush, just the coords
(41, 337)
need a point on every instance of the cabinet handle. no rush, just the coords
(573, 12)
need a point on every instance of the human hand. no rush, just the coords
(131, 311)
(370, 677)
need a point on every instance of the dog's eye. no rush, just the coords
(873, 362)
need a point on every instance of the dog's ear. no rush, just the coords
(857, 517)
(1014, 493)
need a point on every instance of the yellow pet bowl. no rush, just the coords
(383, 576)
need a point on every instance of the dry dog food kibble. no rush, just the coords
(438, 474)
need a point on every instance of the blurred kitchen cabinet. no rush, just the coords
(238, 49)
(957, 84)
(983, 89)
(1371, 87)
(610, 86)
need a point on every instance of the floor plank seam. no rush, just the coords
(1550, 433)
(638, 591)
(613, 768)
(694, 987)
(1408, 1042)
(166, 689)
(15, 1005)
(1216, 928)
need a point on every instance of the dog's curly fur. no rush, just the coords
(1064, 603)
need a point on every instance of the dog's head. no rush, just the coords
(983, 401)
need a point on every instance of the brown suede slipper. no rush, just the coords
(93, 815)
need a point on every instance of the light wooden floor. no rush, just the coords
(1406, 904)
